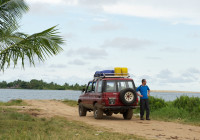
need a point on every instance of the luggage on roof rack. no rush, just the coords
(102, 73)
(121, 71)
(117, 72)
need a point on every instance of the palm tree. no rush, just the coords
(15, 46)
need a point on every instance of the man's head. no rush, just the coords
(144, 82)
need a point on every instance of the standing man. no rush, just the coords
(144, 101)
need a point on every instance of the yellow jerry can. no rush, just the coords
(118, 71)
(125, 71)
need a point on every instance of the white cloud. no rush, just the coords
(69, 35)
(187, 80)
(88, 53)
(100, 19)
(178, 49)
(173, 11)
(106, 26)
(126, 43)
(189, 76)
(98, 68)
(66, 2)
(77, 62)
(153, 58)
(57, 66)
(192, 73)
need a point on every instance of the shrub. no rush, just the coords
(191, 104)
(156, 103)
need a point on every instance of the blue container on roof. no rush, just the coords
(98, 73)
(109, 72)
(104, 72)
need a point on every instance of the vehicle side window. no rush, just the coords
(89, 89)
(94, 86)
(111, 86)
(130, 84)
(124, 84)
(121, 85)
(99, 89)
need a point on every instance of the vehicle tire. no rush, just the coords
(98, 112)
(128, 96)
(82, 110)
(128, 114)
(109, 113)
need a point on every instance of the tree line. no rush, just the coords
(39, 84)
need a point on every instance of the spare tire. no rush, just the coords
(128, 96)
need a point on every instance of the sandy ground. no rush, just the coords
(148, 129)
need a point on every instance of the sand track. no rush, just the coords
(149, 129)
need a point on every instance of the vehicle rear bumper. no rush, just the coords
(120, 107)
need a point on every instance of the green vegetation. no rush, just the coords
(39, 84)
(17, 102)
(17, 46)
(190, 104)
(19, 126)
(70, 102)
(184, 109)
(156, 103)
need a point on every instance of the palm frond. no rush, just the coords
(10, 10)
(22, 46)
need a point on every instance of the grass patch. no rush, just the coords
(171, 113)
(14, 125)
(70, 102)
(17, 102)
(184, 110)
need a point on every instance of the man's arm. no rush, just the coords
(149, 91)
(138, 89)
(139, 94)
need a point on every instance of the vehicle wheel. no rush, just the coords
(128, 96)
(82, 110)
(98, 112)
(128, 114)
(109, 113)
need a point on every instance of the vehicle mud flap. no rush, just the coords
(98, 112)
(128, 114)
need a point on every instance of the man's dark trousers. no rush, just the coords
(144, 104)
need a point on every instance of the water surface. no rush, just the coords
(9, 94)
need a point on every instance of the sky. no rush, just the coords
(155, 39)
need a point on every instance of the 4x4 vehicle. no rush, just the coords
(108, 95)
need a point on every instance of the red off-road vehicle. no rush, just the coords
(109, 94)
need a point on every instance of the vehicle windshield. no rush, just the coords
(114, 86)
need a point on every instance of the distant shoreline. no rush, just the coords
(160, 91)
(173, 91)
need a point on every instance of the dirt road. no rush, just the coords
(149, 129)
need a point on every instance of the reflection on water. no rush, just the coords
(9, 94)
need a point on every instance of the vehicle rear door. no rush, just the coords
(110, 92)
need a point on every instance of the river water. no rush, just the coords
(9, 94)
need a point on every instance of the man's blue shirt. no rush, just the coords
(143, 91)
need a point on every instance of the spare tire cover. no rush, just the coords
(128, 96)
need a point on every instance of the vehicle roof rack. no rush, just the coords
(113, 75)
